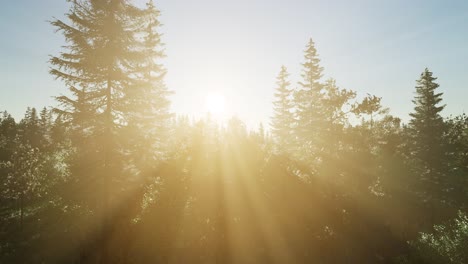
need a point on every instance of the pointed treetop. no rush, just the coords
(312, 71)
(426, 100)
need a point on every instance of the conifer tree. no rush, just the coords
(25, 176)
(97, 66)
(426, 124)
(45, 125)
(283, 118)
(309, 101)
(427, 150)
(8, 134)
(30, 128)
(149, 114)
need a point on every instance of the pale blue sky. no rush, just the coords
(236, 48)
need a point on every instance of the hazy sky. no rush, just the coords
(236, 48)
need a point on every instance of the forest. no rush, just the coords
(110, 175)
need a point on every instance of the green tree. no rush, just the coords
(283, 120)
(30, 128)
(8, 133)
(98, 66)
(45, 125)
(456, 139)
(370, 106)
(308, 101)
(25, 176)
(447, 244)
(427, 148)
(426, 125)
(148, 111)
(336, 106)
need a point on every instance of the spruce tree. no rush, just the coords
(426, 124)
(98, 68)
(45, 125)
(426, 130)
(30, 128)
(148, 101)
(8, 135)
(283, 118)
(309, 101)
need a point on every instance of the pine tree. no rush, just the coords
(8, 144)
(30, 128)
(309, 102)
(45, 125)
(426, 124)
(97, 66)
(25, 176)
(148, 101)
(426, 130)
(283, 118)
(8, 134)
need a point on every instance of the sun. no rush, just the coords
(215, 105)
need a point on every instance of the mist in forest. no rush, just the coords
(111, 173)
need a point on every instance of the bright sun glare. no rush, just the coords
(215, 104)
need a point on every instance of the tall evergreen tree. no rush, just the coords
(8, 134)
(427, 148)
(30, 128)
(308, 101)
(45, 126)
(148, 101)
(426, 124)
(97, 66)
(282, 121)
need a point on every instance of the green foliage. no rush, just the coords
(426, 125)
(283, 121)
(25, 176)
(308, 101)
(109, 176)
(447, 244)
